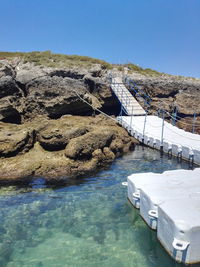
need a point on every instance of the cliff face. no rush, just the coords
(27, 90)
(168, 92)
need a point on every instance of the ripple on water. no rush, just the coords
(86, 224)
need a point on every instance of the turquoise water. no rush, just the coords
(87, 222)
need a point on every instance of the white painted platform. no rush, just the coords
(139, 181)
(170, 202)
(175, 141)
(130, 104)
(154, 194)
(179, 229)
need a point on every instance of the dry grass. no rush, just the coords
(49, 59)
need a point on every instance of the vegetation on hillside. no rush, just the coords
(49, 59)
(135, 68)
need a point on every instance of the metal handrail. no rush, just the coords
(137, 90)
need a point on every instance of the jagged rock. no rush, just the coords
(55, 92)
(168, 92)
(55, 97)
(188, 102)
(68, 73)
(9, 87)
(6, 70)
(8, 112)
(96, 71)
(26, 73)
(50, 91)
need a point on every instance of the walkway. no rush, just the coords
(154, 131)
(160, 134)
(129, 103)
(168, 202)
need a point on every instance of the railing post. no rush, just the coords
(162, 133)
(193, 124)
(121, 104)
(131, 118)
(174, 116)
(145, 119)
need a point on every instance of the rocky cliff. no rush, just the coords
(28, 90)
(168, 92)
(49, 126)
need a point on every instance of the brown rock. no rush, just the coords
(84, 146)
(109, 155)
(14, 140)
(56, 137)
(26, 157)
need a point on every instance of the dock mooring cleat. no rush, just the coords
(153, 216)
(124, 183)
(136, 199)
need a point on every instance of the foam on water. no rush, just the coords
(88, 222)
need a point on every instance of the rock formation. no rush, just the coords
(48, 124)
(28, 90)
(168, 92)
(67, 147)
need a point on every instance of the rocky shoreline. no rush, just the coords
(48, 125)
(71, 146)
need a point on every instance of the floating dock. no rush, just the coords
(170, 203)
(152, 130)
(156, 133)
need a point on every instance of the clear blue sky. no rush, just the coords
(159, 34)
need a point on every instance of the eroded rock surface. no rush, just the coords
(41, 134)
(27, 90)
(66, 147)
(168, 92)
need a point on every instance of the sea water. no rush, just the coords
(86, 222)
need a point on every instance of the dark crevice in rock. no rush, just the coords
(91, 85)
(51, 148)
(22, 87)
(114, 111)
(85, 113)
(111, 107)
(48, 94)
(66, 74)
(73, 108)
(171, 94)
(183, 115)
(13, 118)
